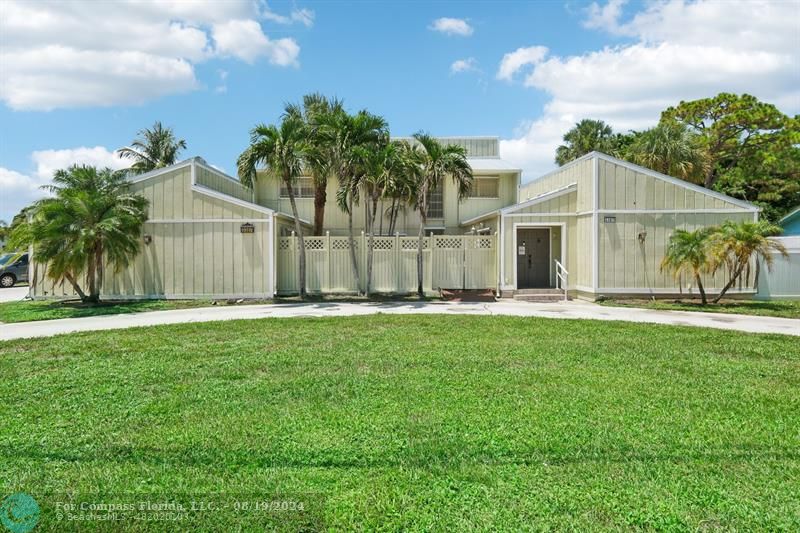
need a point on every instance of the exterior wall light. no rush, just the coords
(148, 239)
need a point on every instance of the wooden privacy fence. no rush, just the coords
(449, 262)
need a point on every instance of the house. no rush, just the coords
(495, 185)
(791, 223)
(597, 226)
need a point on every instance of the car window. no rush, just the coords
(4, 258)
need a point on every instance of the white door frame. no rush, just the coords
(549, 226)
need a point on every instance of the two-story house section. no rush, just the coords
(495, 185)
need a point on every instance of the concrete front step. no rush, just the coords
(543, 298)
(539, 291)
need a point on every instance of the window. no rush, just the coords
(485, 188)
(302, 187)
(436, 202)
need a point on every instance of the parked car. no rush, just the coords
(13, 269)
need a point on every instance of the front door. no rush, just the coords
(533, 258)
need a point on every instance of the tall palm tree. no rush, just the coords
(670, 148)
(346, 134)
(735, 244)
(315, 112)
(381, 166)
(687, 253)
(586, 136)
(91, 220)
(156, 147)
(401, 187)
(281, 149)
(437, 161)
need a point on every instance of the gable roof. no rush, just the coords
(792, 214)
(195, 162)
(676, 181)
(658, 175)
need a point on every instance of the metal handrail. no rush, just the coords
(561, 274)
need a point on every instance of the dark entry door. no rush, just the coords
(533, 258)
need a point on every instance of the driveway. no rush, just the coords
(565, 310)
(14, 293)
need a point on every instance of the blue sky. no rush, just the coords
(79, 79)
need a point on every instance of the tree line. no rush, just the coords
(733, 144)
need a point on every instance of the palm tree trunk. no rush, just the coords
(98, 274)
(370, 245)
(76, 287)
(91, 278)
(353, 258)
(758, 271)
(423, 212)
(731, 282)
(320, 198)
(420, 237)
(392, 216)
(298, 229)
(700, 288)
(380, 229)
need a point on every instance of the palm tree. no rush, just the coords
(735, 244)
(381, 167)
(315, 112)
(91, 221)
(281, 149)
(437, 161)
(401, 187)
(346, 135)
(586, 136)
(687, 253)
(156, 147)
(670, 148)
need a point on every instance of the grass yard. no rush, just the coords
(444, 423)
(28, 311)
(778, 308)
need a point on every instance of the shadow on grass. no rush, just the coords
(420, 457)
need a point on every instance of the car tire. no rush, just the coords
(7, 281)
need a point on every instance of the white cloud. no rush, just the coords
(86, 53)
(48, 161)
(452, 26)
(604, 17)
(245, 40)
(464, 65)
(19, 190)
(303, 16)
(512, 62)
(681, 51)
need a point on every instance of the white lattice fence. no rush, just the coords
(449, 262)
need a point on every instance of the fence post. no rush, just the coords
(464, 240)
(496, 244)
(429, 271)
(328, 259)
(363, 258)
(398, 264)
(295, 260)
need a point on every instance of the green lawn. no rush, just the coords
(779, 308)
(446, 423)
(27, 311)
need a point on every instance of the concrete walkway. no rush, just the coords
(567, 310)
(14, 294)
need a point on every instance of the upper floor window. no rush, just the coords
(485, 188)
(302, 187)
(436, 202)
